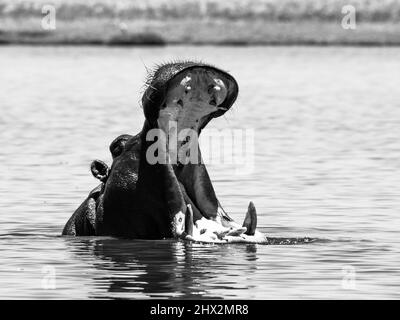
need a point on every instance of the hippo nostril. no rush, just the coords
(213, 102)
(180, 102)
(213, 88)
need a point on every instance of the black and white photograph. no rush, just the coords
(182, 150)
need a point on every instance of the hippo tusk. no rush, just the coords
(189, 220)
(250, 221)
(187, 234)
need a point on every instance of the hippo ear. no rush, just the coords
(99, 170)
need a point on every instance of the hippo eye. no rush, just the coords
(117, 151)
(180, 220)
(187, 89)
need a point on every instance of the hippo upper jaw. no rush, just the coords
(193, 97)
(189, 92)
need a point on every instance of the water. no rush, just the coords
(327, 160)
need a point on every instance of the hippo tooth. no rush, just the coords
(189, 220)
(222, 234)
(236, 232)
(178, 224)
(250, 221)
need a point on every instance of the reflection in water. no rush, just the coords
(165, 268)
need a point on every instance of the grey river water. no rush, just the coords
(326, 125)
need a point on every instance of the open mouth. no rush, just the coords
(193, 97)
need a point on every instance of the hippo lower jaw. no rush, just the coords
(211, 231)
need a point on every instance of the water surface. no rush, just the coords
(326, 165)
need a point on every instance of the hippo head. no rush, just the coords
(163, 199)
(147, 199)
(189, 94)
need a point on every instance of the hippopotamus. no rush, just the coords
(153, 192)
